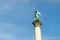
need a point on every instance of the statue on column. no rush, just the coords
(37, 15)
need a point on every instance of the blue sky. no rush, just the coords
(16, 18)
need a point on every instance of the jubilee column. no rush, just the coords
(37, 26)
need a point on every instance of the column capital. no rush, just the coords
(37, 22)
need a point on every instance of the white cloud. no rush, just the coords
(50, 38)
(6, 5)
(51, 1)
(6, 26)
(5, 36)
(7, 31)
(26, 1)
(11, 6)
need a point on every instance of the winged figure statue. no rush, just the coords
(37, 14)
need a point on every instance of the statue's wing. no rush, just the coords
(39, 13)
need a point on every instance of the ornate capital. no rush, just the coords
(37, 22)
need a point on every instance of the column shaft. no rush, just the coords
(38, 33)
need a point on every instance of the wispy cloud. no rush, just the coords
(10, 31)
(54, 1)
(7, 5)
(51, 1)
(50, 38)
(16, 8)
(5, 36)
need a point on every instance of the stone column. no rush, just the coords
(37, 29)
